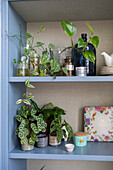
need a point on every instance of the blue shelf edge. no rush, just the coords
(94, 151)
(63, 79)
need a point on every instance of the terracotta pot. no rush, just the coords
(53, 141)
(27, 146)
(42, 140)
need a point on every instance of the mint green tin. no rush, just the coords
(80, 139)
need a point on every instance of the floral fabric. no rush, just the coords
(98, 123)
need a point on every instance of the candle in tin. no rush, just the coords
(80, 138)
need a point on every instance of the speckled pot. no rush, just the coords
(27, 146)
(42, 141)
(53, 141)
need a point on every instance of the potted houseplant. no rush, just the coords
(58, 130)
(29, 124)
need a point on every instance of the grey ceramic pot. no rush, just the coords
(42, 141)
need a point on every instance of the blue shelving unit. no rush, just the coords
(92, 152)
(63, 79)
(12, 88)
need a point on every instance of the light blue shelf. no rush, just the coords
(94, 151)
(63, 79)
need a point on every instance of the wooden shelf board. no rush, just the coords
(94, 151)
(63, 79)
(58, 10)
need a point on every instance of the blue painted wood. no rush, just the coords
(94, 151)
(63, 79)
(6, 99)
(14, 24)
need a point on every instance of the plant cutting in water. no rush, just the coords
(71, 30)
(48, 65)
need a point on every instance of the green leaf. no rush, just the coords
(69, 129)
(33, 111)
(42, 27)
(30, 97)
(23, 133)
(18, 118)
(52, 46)
(31, 141)
(91, 29)
(34, 105)
(28, 35)
(55, 66)
(23, 141)
(19, 101)
(34, 128)
(26, 102)
(69, 28)
(89, 55)
(20, 61)
(16, 131)
(27, 82)
(30, 86)
(14, 61)
(48, 104)
(42, 167)
(35, 73)
(81, 43)
(45, 58)
(24, 95)
(42, 67)
(95, 41)
(40, 43)
(22, 125)
(65, 70)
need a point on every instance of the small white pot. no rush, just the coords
(69, 147)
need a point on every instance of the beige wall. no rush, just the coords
(74, 96)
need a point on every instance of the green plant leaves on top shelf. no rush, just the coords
(19, 101)
(95, 41)
(69, 28)
(28, 35)
(42, 27)
(40, 43)
(52, 46)
(34, 105)
(89, 55)
(35, 73)
(18, 118)
(81, 43)
(14, 61)
(65, 70)
(91, 29)
(45, 59)
(55, 66)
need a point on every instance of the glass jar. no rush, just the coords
(34, 61)
(22, 70)
(69, 66)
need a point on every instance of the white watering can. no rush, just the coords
(108, 59)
